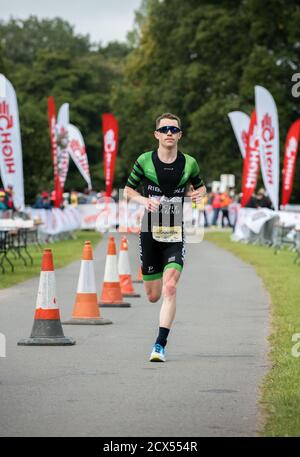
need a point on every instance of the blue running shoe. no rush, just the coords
(157, 354)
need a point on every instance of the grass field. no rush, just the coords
(281, 387)
(64, 252)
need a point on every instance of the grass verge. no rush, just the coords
(280, 396)
(64, 252)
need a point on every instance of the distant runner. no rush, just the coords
(165, 175)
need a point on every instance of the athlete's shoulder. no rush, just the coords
(189, 158)
(144, 158)
(191, 164)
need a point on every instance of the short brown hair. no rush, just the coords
(167, 116)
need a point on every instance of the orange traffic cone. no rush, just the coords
(124, 271)
(111, 293)
(86, 310)
(139, 277)
(47, 329)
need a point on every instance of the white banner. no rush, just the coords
(62, 143)
(55, 221)
(268, 132)
(250, 221)
(240, 123)
(77, 151)
(11, 163)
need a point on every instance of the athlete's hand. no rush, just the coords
(151, 204)
(198, 194)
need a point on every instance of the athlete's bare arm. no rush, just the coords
(149, 203)
(195, 194)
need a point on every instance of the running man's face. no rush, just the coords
(168, 140)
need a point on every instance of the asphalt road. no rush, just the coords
(105, 386)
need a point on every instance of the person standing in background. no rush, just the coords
(9, 201)
(225, 202)
(216, 204)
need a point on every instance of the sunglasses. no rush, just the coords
(166, 128)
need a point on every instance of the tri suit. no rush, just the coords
(162, 242)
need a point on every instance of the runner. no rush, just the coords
(165, 174)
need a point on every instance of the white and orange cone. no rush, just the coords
(111, 295)
(139, 278)
(47, 329)
(86, 310)
(124, 271)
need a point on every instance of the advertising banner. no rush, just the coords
(110, 142)
(240, 123)
(268, 133)
(11, 162)
(251, 162)
(290, 157)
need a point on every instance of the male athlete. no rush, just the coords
(165, 174)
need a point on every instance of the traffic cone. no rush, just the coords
(47, 329)
(124, 271)
(111, 295)
(86, 310)
(139, 276)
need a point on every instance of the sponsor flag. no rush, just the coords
(110, 140)
(62, 143)
(76, 148)
(52, 131)
(11, 162)
(268, 133)
(251, 162)
(240, 123)
(290, 156)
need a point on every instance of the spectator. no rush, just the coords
(216, 204)
(251, 202)
(53, 198)
(9, 201)
(42, 201)
(74, 198)
(225, 202)
(262, 200)
(3, 205)
(201, 208)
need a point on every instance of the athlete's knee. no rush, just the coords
(153, 297)
(170, 287)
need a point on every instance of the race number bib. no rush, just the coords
(167, 225)
(167, 234)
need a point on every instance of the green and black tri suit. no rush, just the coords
(162, 239)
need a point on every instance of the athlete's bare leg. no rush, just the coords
(168, 307)
(166, 287)
(153, 289)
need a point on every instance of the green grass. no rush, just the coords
(280, 393)
(64, 252)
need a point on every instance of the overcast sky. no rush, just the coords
(104, 20)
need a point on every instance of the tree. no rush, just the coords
(52, 60)
(201, 62)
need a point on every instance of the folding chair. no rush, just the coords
(4, 248)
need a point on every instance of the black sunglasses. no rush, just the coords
(166, 128)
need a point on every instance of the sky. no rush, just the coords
(103, 20)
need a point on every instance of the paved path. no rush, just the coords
(105, 386)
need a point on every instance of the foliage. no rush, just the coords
(201, 59)
(43, 58)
